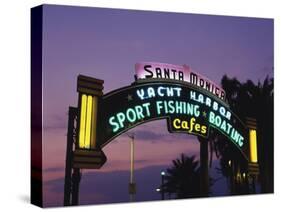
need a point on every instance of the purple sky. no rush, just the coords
(106, 44)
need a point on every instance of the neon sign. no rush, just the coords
(187, 109)
(152, 70)
(189, 102)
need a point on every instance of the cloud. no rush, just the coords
(148, 135)
(108, 187)
(53, 169)
(55, 122)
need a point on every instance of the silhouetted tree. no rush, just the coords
(256, 101)
(183, 178)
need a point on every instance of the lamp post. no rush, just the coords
(132, 185)
(232, 176)
(162, 185)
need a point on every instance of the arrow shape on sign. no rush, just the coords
(89, 158)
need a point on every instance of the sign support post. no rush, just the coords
(76, 176)
(82, 150)
(71, 138)
(204, 169)
(253, 166)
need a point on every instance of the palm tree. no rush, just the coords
(260, 103)
(183, 178)
(256, 101)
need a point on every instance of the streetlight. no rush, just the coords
(162, 184)
(132, 185)
(229, 162)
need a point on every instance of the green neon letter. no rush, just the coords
(121, 118)
(114, 124)
(196, 110)
(139, 112)
(146, 106)
(131, 115)
(211, 117)
(159, 106)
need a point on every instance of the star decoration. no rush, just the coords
(204, 114)
(130, 97)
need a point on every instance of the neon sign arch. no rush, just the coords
(189, 102)
(187, 108)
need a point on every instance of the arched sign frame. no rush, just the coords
(86, 130)
(93, 88)
(152, 82)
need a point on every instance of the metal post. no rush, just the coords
(254, 184)
(76, 176)
(204, 169)
(72, 114)
(162, 185)
(233, 178)
(132, 160)
(132, 185)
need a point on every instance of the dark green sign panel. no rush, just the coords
(188, 109)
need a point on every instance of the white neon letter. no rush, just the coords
(140, 94)
(159, 91)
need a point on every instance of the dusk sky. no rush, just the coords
(106, 44)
